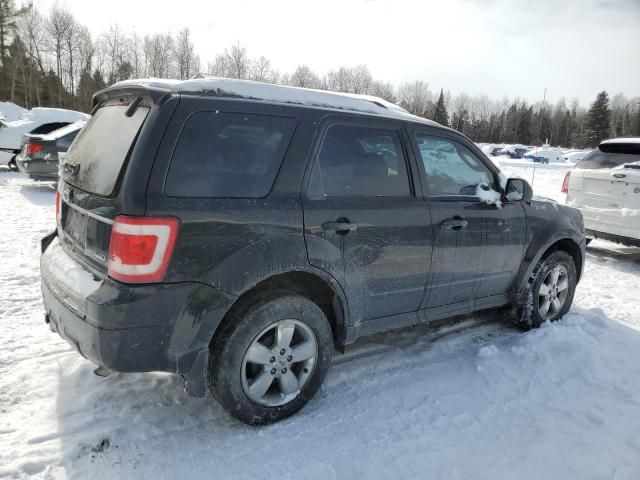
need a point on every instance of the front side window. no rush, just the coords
(228, 155)
(451, 169)
(361, 162)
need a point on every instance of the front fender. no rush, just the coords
(547, 224)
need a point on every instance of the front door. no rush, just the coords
(478, 240)
(364, 223)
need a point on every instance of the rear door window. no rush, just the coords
(228, 155)
(95, 159)
(356, 161)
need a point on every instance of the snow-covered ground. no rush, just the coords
(474, 398)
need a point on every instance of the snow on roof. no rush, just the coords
(633, 140)
(9, 111)
(278, 93)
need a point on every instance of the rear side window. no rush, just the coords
(95, 159)
(360, 162)
(228, 155)
(614, 156)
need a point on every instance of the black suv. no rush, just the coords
(235, 233)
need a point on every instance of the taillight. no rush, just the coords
(33, 148)
(565, 182)
(140, 248)
(58, 205)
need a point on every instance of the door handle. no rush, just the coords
(455, 224)
(341, 227)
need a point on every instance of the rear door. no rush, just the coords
(364, 223)
(478, 246)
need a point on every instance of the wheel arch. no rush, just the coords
(566, 244)
(324, 292)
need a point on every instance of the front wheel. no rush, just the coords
(549, 292)
(271, 358)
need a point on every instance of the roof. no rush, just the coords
(627, 141)
(279, 94)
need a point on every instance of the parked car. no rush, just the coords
(36, 121)
(605, 186)
(39, 155)
(516, 151)
(236, 232)
(545, 154)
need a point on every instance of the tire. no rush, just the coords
(13, 166)
(532, 309)
(233, 374)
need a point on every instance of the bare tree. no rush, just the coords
(187, 61)
(303, 76)
(159, 51)
(57, 27)
(416, 97)
(261, 71)
(237, 61)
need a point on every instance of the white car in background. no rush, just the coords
(545, 154)
(34, 121)
(605, 186)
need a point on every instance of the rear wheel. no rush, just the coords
(13, 166)
(271, 358)
(549, 291)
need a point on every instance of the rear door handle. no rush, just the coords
(340, 227)
(455, 224)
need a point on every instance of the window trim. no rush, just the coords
(362, 122)
(234, 112)
(414, 130)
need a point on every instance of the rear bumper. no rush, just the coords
(38, 169)
(129, 328)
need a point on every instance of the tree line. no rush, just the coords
(50, 59)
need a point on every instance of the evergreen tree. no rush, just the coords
(441, 115)
(597, 124)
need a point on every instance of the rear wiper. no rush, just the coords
(133, 107)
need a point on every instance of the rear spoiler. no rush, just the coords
(157, 96)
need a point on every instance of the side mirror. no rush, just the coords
(518, 189)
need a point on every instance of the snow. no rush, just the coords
(488, 195)
(624, 140)
(10, 111)
(470, 398)
(278, 93)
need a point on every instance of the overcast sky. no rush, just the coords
(514, 48)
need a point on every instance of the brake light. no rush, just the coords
(140, 248)
(33, 148)
(58, 205)
(565, 182)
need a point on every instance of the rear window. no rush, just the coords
(96, 158)
(609, 156)
(228, 155)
